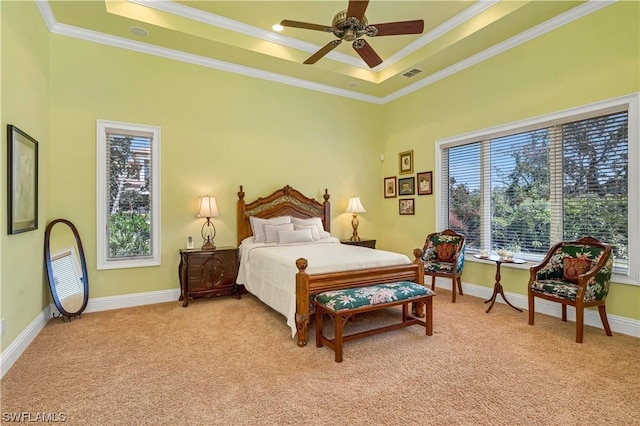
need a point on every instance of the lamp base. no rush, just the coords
(354, 223)
(208, 245)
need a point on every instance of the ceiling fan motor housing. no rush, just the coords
(350, 28)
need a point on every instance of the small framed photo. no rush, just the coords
(22, 190)
(390, 187)
(407, 206)
(407, 186)
(406, 162)
(425, 183)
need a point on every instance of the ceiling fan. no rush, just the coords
(350, 25)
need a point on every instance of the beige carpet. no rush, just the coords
(224, 361)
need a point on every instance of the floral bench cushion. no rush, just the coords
(357, 297)
(559, 277)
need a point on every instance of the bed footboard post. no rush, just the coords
(302, 301)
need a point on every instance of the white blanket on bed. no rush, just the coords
(268, 271)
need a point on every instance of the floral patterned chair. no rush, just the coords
(573, 273)
(443, 256)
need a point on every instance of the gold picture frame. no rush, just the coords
(406, 162)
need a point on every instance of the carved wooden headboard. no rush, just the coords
(283, 202)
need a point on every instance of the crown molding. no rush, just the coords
(123, 43)
(523, 37)
(246, 29)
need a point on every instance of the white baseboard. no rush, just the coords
(24, 339)
(617, 323)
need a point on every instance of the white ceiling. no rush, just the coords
(236, 36)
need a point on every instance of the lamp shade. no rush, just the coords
(355, 206)
(208, 207)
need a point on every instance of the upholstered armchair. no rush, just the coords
(573, 273)
(444, 257)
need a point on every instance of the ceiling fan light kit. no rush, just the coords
(350, 25)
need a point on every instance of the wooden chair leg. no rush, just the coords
(605, 322)
(579, 322)
(564, 312)
(532, 308)
(453, 290)
(459, 279)
(433, 282)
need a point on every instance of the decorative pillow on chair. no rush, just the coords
(445, 252)
(574, 266)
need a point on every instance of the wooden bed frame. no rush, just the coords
(289, 201)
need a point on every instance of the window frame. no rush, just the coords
(628, 102)
(102, 207)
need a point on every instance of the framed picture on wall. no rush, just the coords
(22, 181)
(407, 186)
(406, 162)
(390, 187)
(407, 206)
(425, 183)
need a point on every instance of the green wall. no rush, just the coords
(221, 130)
(25, 104)
(589, 60)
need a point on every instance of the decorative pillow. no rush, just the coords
(574, 266)
(271, 231)
(299, 236)
(315, 221)
(445, 252)
(313, 228)
(257, 226)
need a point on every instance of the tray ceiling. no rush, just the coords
(237, 36)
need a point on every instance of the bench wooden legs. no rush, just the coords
(341, 317)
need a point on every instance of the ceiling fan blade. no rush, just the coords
(320, 53)
(399, 28)
(367, 53)
(304, 25)
(357, 8)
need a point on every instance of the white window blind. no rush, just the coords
(527, 188)
(128, 195)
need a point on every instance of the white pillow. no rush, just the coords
(315, 221)
(257, 226)
(314, 230)
(299, 236)
(271, 231)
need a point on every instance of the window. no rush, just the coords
(528, 185)
(128, 199)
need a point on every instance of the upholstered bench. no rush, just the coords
(340, 305)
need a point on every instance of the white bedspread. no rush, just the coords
(268, 271)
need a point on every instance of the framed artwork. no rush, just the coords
(407, 206)
(425, 183)
(22, 181)
(406, 162)
(390, 187)
(407, 186)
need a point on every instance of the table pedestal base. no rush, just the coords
(497, 289)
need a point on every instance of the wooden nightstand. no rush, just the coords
(205, 273)
(364, 242)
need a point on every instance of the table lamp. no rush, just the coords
(355, 207)
(208, 209)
